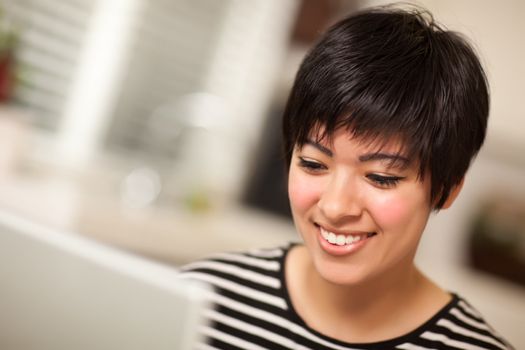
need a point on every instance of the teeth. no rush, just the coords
(341, 240)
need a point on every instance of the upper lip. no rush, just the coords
(343, 232)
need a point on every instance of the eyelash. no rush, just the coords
(384, 181)
(379, 180)
(311, 166)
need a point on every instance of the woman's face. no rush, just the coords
(361, 209)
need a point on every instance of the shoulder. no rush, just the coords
(240, 272)
(262, 260)
(459, 324)
(249, 306)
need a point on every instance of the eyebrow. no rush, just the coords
(394, 160)
(320, 147)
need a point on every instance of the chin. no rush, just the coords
(340, 274)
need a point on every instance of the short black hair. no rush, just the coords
(390, 72)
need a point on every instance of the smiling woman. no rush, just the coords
(385, 116)
(360, 216)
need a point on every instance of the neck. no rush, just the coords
(379, 308)
(381, 295)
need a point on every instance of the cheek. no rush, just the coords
(395, 210)
(392, 211)
(303, 193)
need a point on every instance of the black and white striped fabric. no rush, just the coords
(253, 311)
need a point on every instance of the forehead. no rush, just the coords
(344, 144)
(370, 143)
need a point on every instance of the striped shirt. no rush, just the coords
(253, 311)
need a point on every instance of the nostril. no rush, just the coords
(337, 209)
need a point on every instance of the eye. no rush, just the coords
(311, 165)
(384, 181)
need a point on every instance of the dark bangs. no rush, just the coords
(388, 74)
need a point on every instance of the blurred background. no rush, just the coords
(154, 126)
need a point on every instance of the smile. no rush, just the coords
(344, 239)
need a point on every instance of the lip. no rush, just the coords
(341, 232)
(336, 250)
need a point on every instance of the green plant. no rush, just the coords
(8, 44)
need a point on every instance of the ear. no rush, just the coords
(453, 194)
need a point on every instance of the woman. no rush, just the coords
(385, 115)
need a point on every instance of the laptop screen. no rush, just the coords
(60, 290)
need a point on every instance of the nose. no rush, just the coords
(341, 199)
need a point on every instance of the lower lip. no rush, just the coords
(339, 250)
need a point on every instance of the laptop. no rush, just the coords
(60, 290)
